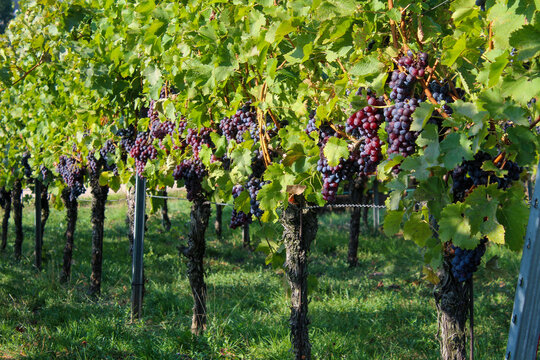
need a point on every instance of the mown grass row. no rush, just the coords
(381, 309)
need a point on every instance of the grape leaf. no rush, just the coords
(455, 227)
(456, 148)
(421, 115)
(392, 222)
(335, 150)
(417, 229)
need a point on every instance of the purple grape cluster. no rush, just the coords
(402, 83)
(398, 123)
(45, 173)
(73, 175)
(254, 185)
(311, 126)
(334, 175)
(465, 262)
(192, 171)
(127, 138)
(142, 151)
(196, 138)
(238, 218)
(245, 120)
(469, 174)
(96, 166)
(26, 166)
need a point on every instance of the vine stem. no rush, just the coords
(536, 121)
(40, 61)
(393, 25)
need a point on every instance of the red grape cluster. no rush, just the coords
(142, 151)
(73, 175)
(364, 125)
(196, 138)
(398, 123)
(192, 171)
(245, 120)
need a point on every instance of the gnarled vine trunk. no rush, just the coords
(130, 217)
(165, 220)
(99, 199)
(245, 236)
(452, 302)
(200, 215)
(219, 219)
(17, 217)
(6, 195)
(71, 219)
(299, 230)
(357, 188)
(44, 208)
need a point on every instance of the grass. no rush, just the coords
(378, 310)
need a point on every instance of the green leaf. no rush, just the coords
(416, 166)
(526, 41)
(392, 222)
(455, 227)
(421, 115)
(242, 160)
(417, 229)
(270, 196)
(514, 216)
(366, 66)
(454, 50)
(335, 150)
(456, 147)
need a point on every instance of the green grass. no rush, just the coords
(355, 313)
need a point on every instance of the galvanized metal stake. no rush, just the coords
(524, 336)
(137, 264)
(38, 234)
(376, 202)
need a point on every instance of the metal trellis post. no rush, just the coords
(524, 336)
(137, 264)
(38, 239)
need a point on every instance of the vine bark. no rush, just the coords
(452, 302)
(71, 219)
(299, 230)
(200, 215)
(165, 220)
(17, 217)
(99, 199)
(6, 205)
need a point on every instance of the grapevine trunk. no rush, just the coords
(71, 218)
(245, 236)
(299, 230)
(165, 220)
(200, 214)
(44, 208)
(219, 218)
(99, 199)
(17, 216)
(5, 220)
(452, 302)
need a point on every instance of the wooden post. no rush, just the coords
(524, 336)
(376, 203)
(137, 264)
(38, 231)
